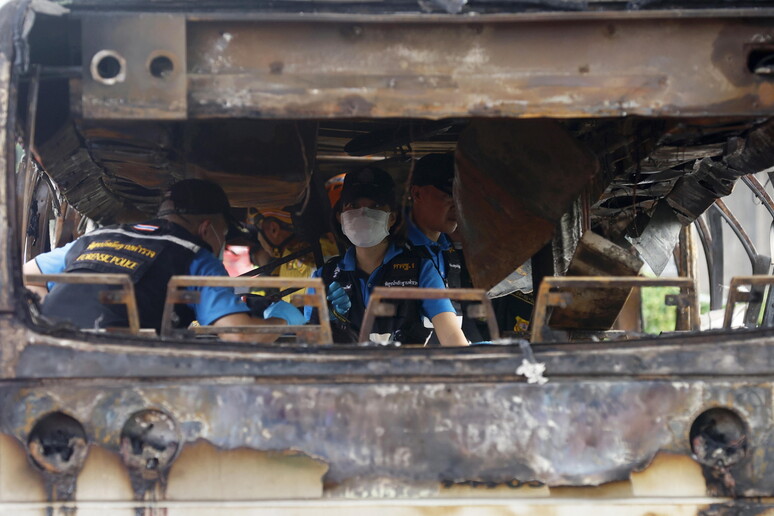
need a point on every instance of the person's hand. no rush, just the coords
(286, 311)
(338, 298)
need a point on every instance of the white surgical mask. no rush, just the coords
(365, 227)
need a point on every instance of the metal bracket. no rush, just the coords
(377, 307)
(679, 300)
(134, 66)
(320, 332)
(754, 297)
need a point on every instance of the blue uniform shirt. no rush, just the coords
(429, 277)
(214, 302)
(436, 249)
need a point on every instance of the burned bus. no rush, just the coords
(594, 141)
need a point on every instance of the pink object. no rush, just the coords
(236, 259)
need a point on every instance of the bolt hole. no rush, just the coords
(161, 67)
(760, 61)
(57, 443)
(150, 441)
(719, 438)
(108, 67)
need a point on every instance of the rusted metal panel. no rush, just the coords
(422, 433)
(11, 16)
(417, 417)
(596, 308)
(685, 66)
(126, 76)
(515, 179)
(116, 171)
(77, 355)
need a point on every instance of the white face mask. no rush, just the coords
(365, 227)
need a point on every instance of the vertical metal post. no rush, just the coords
(29, 177)
(715, 266)
(685, 257)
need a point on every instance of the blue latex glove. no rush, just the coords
(286, 311)
(339, 299)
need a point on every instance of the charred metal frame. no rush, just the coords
(754, 298)
(549, 295)
(529, 71)
(377, 307)
(419, 418)
(320, 332)
(123, 296)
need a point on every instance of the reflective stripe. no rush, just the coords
(169, 238)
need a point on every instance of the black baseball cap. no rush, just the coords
(436, 170)
(198, 197)
(369, 182)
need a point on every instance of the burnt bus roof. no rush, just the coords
(410, 6)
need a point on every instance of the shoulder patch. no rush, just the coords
(145, 227)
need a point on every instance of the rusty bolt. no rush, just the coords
(57, 444)
(150, 440)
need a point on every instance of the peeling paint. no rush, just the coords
(203, 472)
(19, 480)
(669, 475)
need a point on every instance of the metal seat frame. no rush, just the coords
(549, 295)
(378, 308)
(123, 296)
(754, 298)
(321, 332)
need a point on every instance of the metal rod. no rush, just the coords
(760, 192)
(29, 183)
(264, 328)
(717, 274)
(616, 281)
(706, 243)
(571, 15)
(737, 228)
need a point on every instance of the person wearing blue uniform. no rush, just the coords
(433, 213)
(192, 225)
(433, 217)
(370, 222)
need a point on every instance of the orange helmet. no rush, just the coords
(333, 186)
(281, 216)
